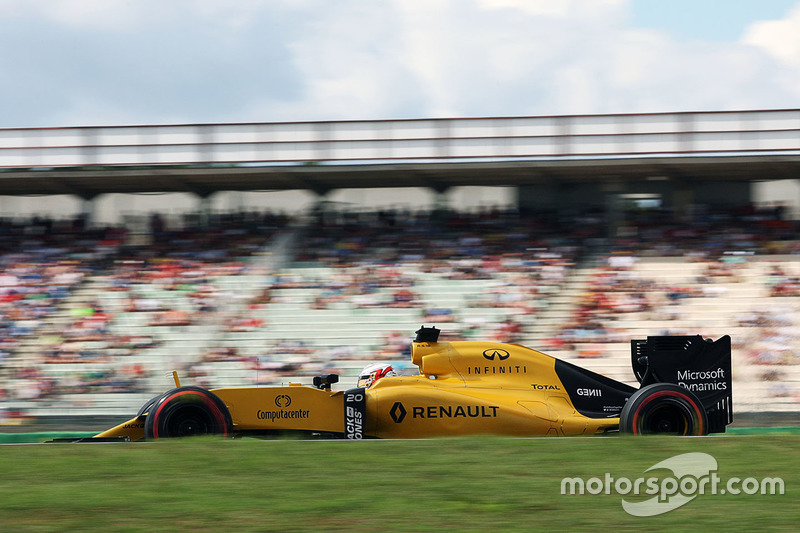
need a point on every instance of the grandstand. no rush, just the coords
(95, 318)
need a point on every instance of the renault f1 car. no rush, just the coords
(468, 388)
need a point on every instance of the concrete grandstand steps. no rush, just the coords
(175, 346)
(88, 366)
(403, 318)
(715, 314)
(557, 307)
(291, 312)
(654, 326)
(357, 334)
(609, 366)
(243, 373)
(764, 395)
(95, 404)
(321, 339)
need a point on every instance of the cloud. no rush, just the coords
(141, 62)
(80, 62)
(515, 57)
(779, 38)
(561, 9)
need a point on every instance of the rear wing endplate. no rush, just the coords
(700, 365)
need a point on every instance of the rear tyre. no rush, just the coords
(663, 408)
(186, 412)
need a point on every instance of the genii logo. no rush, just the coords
(498, 353)
(283, 400)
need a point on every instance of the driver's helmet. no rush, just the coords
(374, 372)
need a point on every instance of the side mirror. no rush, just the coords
(325, 381)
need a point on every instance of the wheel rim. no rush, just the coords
(669, 418)
(667, 412)
(189, 421)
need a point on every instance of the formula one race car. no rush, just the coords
(468, 388)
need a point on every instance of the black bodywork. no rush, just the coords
(699, 365)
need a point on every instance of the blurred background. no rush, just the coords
(217, 190)
(631, 226)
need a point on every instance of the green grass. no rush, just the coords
(476, 484)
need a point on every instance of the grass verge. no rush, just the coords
(475, 484)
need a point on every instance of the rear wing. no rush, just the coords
(700, 365)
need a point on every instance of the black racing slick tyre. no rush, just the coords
(147, 405)
(186, 412)
(663, 408)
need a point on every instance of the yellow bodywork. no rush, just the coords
(464, 388)
(133, 429)
(468, 388)
(266, 409)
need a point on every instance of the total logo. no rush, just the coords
(498, 353)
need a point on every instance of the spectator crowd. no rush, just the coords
(375, 259)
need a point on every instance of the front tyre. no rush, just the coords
(186, 412)
(147, 406)
(663, 408)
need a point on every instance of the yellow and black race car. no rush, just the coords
(468, 388)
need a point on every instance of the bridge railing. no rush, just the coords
(547, 137)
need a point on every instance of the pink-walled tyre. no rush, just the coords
(187, 412)
(663, 408)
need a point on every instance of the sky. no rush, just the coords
(120, 62)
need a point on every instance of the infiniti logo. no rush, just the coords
(496, 352)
